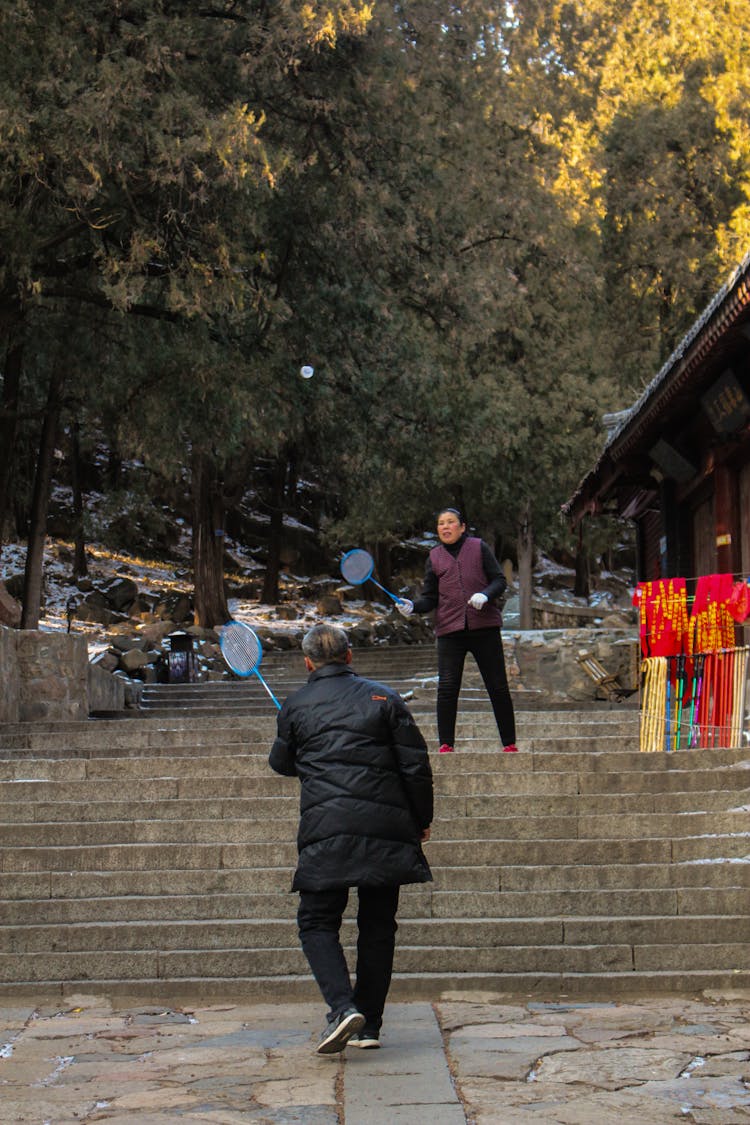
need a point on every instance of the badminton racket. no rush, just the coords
(357, 567)
(243, 652)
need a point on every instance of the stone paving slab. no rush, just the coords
(462, 1058)
(632, 1062)
(408, 1080)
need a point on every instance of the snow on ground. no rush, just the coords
(159, 577)
(156, 577)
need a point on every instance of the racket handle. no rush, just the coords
(388, 592)
(265, 685)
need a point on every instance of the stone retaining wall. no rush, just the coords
(53, 676)
(547, 660)
(547, 615)
(106, 693)
(47, 676)
(9, 685)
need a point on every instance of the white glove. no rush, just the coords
(478, 601)
(405, 607)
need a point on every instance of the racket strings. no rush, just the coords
(356, 567)
(241, 648)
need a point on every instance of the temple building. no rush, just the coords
(677, 462)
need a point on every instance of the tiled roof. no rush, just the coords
(722, 310)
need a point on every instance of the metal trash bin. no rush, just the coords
(181, 659)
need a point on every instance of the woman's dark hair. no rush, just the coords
(455, 512)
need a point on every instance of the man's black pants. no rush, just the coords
(486, 646)
(319, 920)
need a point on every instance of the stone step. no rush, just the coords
(129, 734)
(276, 850)
(572, 716)
(607, 903)
(481, 754)
(271, 933)
(405, 987)
(136, 964)
(18, 838)
(238, 874)
(230, 709)
(123, 896)
(604, 772)
(482, 742)
(274, 934)
(160, 849)
(32, 812)
(421, 707)
(539, 795)
(477, 752)
(595, 755)
(706, 874)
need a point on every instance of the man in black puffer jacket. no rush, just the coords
(365, 810)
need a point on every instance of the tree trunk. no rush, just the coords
(582, 587)
(210, 597)
(34, 571)
(114, 463)
(270, 593)
(9, 421)
(80, 565)
(525, 563)
(383, 569)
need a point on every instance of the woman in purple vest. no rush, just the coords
(462, 579)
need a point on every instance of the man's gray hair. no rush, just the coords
(325, 644)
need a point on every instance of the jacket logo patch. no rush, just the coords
(381, 698)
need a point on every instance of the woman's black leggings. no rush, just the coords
(486, 646)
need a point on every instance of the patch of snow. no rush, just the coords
(62, 1065)
(694, 1065)
(720, 835)
(721, 859)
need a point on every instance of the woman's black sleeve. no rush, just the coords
(428, 598)
(496, 583)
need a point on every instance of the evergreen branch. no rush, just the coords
(62, 236)
(503, 236)
(155, 312)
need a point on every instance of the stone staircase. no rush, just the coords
(156, 853)
(409, 669)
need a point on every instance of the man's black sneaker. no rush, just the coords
(339, 1031)
(367, 1039)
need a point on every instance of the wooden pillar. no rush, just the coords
(670, 525)
(727, 528)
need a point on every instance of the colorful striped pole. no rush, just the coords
(668, 730)
(680, 689)
(698, 661)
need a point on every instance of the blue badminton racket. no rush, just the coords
(357, 567)
(243, 652)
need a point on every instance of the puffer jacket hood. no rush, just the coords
(366, 782)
